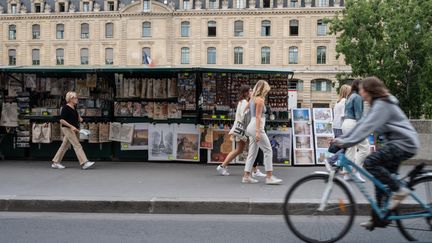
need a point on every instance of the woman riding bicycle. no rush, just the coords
(400, 141)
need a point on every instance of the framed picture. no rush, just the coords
(323, 142)
(301, 114)
(303, 140)
(187, 140)
(281, 146)
(304, 157)
(302, 128)
(140, 138)
(161, 140)
(222, 145)
(323, 128)
(321, 155)
(322, 114)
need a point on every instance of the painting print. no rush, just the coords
(304, 157)
(303, 142)
(301, 114)
(206, 138)
(161, 140)
(302, 133)
(302, 128)
(281, 146)
(121, 132)
(324, 128)
(323, 142)
(187, 139)
(321, 155)
(222, 145)
(140, 138)
(322, 114)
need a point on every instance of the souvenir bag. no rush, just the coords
(94, 133)
(9, 115)
(56, 134)
(239, 127)
(103, 132)
(41, 133)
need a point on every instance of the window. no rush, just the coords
(38, 8)
(62, 7)
(85, 31)
(14, 9)
(293, 55)
(186, 4)
(146, 5)
(322, 85)
(12, 57)
(240, 3)
(211, 55)
(86, 7)
(60, 31)
(265, 55)
(36, 31)
(211, 28)
(265, 28)
(12, 32)
(238, 55)
(146, 29)
(84, 56)
(213, 4)
(321, 28)
(60, 56)
(238, 28)
(35, 57)
(293, 3)
(185, 29)
(294, 27)
(110, 6)
(145, 53)
(322, 3)
(266, 4)
(109, 30)
(296, 84)
(109, 56)
(321, 55)
(185, 55)
(320, 105)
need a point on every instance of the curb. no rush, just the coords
(158, 206)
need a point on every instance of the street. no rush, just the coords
(79, 227)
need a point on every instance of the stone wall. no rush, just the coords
(424, 129)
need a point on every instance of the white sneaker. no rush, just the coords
(222, 170)
(248, 179)
(258, 173)
(87, 165)
(273, 181)
(347, 177)
(57, 166)
(359, 177)
(397, 197)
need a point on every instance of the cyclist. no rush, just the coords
(400, 141)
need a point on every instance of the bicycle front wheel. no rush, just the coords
(417, 229)
(307, 222)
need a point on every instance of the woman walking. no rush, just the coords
(244, 96)
(70, 119)
(339, 110)
(257, 136)
(353, 113)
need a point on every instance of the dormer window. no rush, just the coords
(146, 5)
(186, 4)
(38, 8)
(62, 7)
(86, 7)
(111, 6)
(14, 9)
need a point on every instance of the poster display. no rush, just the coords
(161, 140)
(206, 137)
(281, 146)
(187, 140)
(302, 133)
(323, 130)
(222, 145)
(140, 138)
(121, 132)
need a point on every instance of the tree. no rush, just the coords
(390, 39)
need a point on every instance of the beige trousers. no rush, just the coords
(70, 137)
(358, 152)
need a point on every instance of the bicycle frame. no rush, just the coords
(349, 166)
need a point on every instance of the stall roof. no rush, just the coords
(123, 69)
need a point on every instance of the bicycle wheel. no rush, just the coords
(417, 229)
(309, 224)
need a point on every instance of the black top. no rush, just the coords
(70, 115)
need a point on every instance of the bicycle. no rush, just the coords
(335, 205)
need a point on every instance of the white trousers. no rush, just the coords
(358, 152)
(263, 144)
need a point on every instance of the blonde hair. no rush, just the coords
(261, 89)
(344, 91)
(70, 95)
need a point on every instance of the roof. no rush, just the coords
(141, 69)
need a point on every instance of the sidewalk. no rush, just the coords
(132, 187)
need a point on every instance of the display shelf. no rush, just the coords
(135, 99)
(150, 120)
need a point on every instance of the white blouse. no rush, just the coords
(339, 113)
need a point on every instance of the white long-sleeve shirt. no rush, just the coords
(339, 113)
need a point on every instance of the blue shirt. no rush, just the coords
(354, 107)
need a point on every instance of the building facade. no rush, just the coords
(182, 33)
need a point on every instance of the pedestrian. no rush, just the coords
(339, 109)
(353, 113)
(70, 120)
(244, 96)
(401, 142)
(257, 135)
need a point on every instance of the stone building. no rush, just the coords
(178, 33)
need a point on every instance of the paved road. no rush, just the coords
(130, 228)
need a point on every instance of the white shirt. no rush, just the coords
(339, 113)
(240, 109)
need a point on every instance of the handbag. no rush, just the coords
(239, 127)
